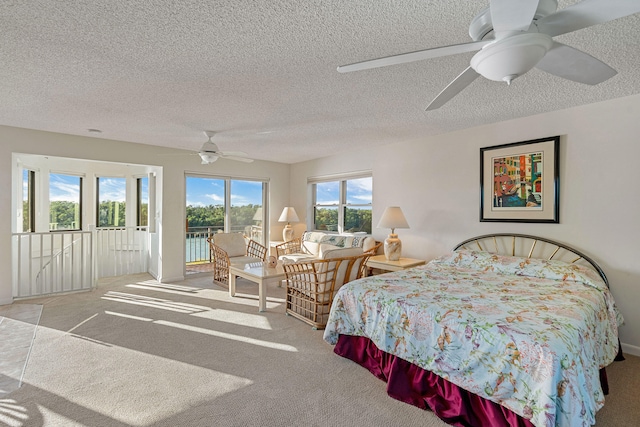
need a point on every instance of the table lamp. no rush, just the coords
(393, 218)
(288, 215)
(258, 215)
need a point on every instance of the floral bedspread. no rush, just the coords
(528, 334)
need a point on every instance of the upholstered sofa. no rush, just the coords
(316, 244)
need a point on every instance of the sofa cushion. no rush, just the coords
(368, 243)
(341, 253)
(313, 240)
(298, 257)
(324, 247)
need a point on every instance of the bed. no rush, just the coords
(507, 329)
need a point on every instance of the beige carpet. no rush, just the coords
(138, 353)
(18, 323)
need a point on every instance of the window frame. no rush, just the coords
(139, 201)
(80, 200)
(342, 204)
(97, 200)
(31, 201)
(227, 180)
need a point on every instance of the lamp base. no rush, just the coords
(392, 247)
(287, 233)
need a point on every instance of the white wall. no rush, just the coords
(170, 182)
(436, 182)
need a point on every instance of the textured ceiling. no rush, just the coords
(263, 73)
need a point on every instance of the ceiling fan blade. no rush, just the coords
(418, 55)
(237, 158)
(455, 87)
(573, 64)
(512, 15)
(585, 14)
(232, 153)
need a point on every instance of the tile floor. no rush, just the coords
(18, 323)
(195, 268)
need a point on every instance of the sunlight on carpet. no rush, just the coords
(156, 387)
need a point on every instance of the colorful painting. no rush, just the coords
(519, 181)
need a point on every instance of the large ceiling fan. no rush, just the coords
(209, 152)
(513, 36)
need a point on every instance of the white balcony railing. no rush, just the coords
(122, 250)
(50, 263)
(67, 261)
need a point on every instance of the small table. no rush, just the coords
(256, 272)
(380, 262)
(272, 247)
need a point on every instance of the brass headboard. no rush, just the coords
(531, 247)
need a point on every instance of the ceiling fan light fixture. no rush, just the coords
(508, 58)
(208, 158)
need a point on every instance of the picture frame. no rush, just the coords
(519, 182)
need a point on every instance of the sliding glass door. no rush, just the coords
(246, 213)
(215, 205)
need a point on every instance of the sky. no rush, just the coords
(67, 187)
(359, 192)
(209, 191)
(64, 188)
(200, 191)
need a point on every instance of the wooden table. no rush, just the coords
(256, 272)
(380, 262)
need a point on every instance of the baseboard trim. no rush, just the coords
(6, 301)
(630, 349)
(170, 279)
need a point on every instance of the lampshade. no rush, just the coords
(258, 215)
(288, 215)
(393, 218)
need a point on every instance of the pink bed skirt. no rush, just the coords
(410, 384)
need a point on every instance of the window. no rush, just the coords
(142, 201)
(222, 205)
(65, 202)
(342, 204)
(205, 204)
(111, 207)
(225, 204)
(246, 214)
(28, 201)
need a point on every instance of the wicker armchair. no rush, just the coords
(311, 285)
(293, 246)
(232, 247)
(256, 250)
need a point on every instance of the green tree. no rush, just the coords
(111, 214)
(65, 214)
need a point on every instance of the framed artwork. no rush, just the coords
(519, 182)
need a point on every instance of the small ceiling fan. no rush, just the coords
(513, 36)
(209, 152)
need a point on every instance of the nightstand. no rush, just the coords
(380, 262)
